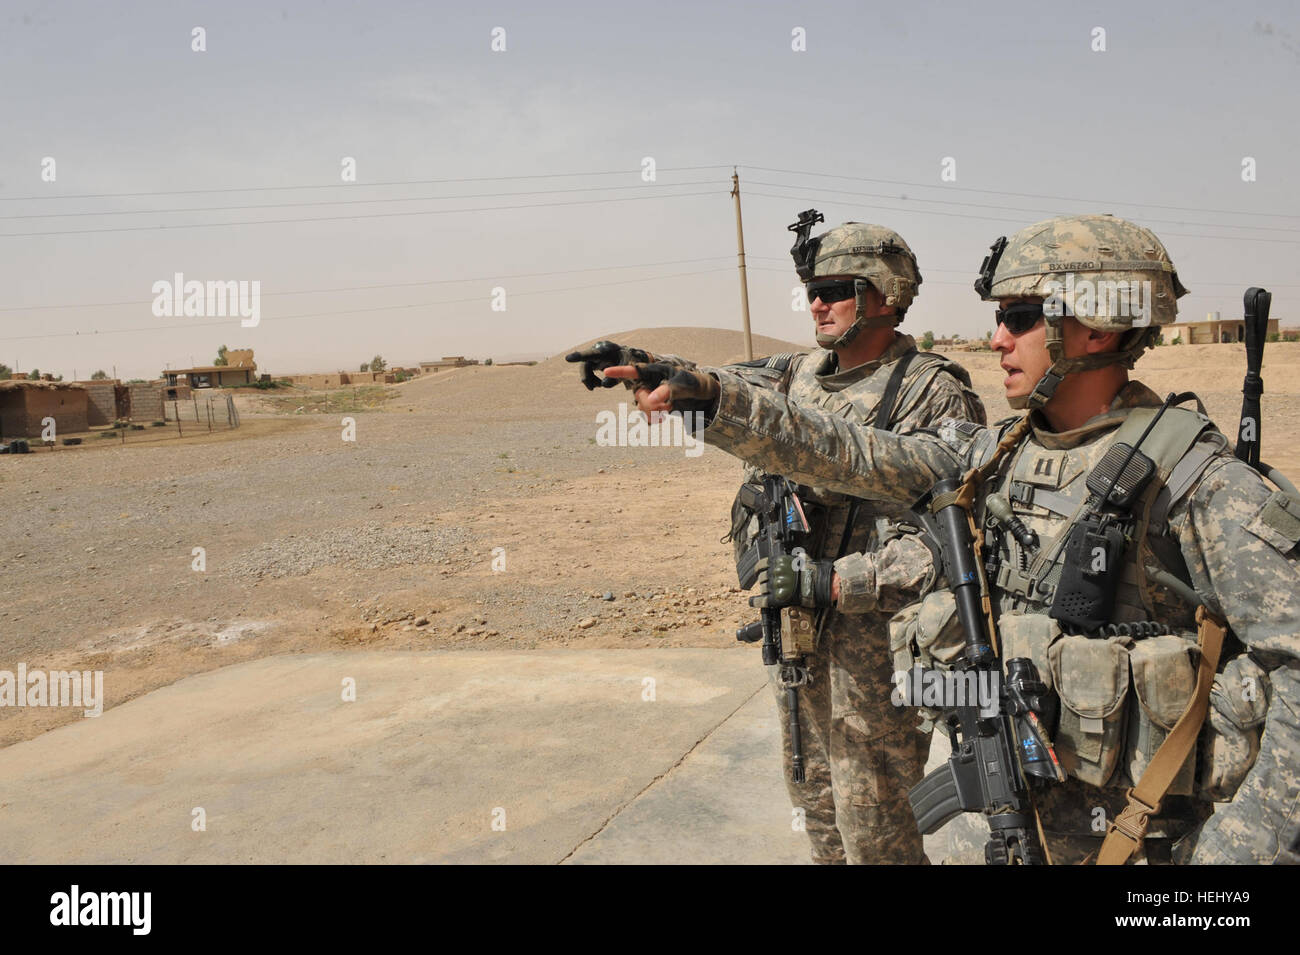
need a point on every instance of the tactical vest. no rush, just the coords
(859, 402)
(1123, 689)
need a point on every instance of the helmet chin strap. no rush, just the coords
(860, 322)
(1062, 366)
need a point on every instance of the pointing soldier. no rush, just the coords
(1147, 561)
(861, 753)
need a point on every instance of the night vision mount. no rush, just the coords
(804, 251)
(984, 284)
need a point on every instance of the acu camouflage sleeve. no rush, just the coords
(887, 579)
(1239, 541)
(942, 397)
(768, 430)
(904, 571)
(759, 376)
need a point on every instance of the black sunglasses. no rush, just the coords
(1021, 317)
(830, 292)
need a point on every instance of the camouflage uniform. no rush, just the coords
(1235, 537)
(861, 753)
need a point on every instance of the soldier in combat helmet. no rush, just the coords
(1116, 493)
(861, 753)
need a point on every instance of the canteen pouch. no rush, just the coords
(1091, 676)
(1164, 681)
(1233, 726)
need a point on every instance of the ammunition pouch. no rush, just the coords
(1230, 740)
(1119, 696)
(1164, 680)
(1090, 676)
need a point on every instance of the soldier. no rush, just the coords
(861, 753)
(1191, 539)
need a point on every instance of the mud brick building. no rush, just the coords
(101, 401)
(24, 403)
(141, 401)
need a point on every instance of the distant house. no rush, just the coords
(240, 369)
(25, 404)
(448, 361)
(1214, 330)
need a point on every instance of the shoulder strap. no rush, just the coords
(1170, 440)
(1173, 447)
(888, 400)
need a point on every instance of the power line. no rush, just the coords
(345, 202)
(374, 215)
(973, 272)
(978, 205)
(356, 311)
(358, 288)
(1023, 195)
(358, 185)
(960, 215)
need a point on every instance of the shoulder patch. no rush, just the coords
(778, 363)
(958, 433)
(1278, 521)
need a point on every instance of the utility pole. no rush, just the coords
(740, 252)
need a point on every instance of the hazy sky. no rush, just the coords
(1155, 129)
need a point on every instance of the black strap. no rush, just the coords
(885, 410)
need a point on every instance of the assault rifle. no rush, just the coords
(788, 633)
(994, 755)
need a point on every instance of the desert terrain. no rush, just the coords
(388, 542)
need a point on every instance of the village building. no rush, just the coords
(448, 361)
(1214, 330)
(240, 369)
(25, 404)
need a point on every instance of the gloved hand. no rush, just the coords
(673, 388)
(604, 355)
(794, 581)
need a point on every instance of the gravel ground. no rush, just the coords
(313, 542)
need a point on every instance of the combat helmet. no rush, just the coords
(874, 255)
(1109, 274)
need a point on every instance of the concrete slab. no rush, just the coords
(725, 803)
(438, 745)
